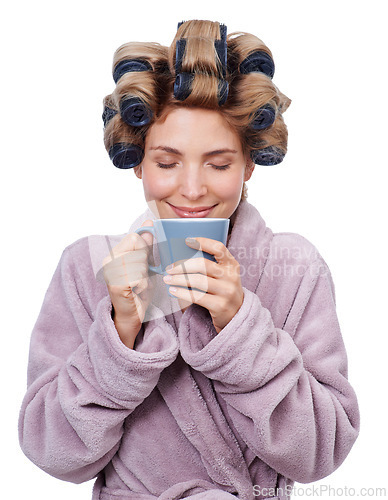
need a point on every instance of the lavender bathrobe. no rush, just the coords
(189, 413)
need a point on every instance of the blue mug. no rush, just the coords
(170, 235)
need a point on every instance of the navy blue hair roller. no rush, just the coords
(180, 50)
(264, 117)
(130, 65)
(135, 112)
(108, 114)
(223, 31)
(220, 46)
(124, 155)
(222, 49)
(267, 156)
(223, 91)
(183, 85)
(258, 62)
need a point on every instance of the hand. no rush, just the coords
(218, 283)
(129, 287)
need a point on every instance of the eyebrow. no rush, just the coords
(174, 151)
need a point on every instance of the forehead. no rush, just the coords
(193, 128)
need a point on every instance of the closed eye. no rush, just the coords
(165, 165)
(220, 167)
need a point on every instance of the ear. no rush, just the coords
(250, 167)
(138, 171)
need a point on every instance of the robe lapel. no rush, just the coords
(249, 244)
(207, 430)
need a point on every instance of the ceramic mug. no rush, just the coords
(170, 235)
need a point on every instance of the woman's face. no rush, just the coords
(193, 160)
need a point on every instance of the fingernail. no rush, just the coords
(193, 242)
(170, 266)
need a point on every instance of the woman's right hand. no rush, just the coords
(129, 286)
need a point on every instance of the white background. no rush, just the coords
(59, 185)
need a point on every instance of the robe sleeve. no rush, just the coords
(286, 389)
(82, 380)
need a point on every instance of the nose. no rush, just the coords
(192, 182)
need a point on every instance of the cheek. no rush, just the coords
(230, 186)
(156, 185)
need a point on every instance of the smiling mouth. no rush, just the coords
(198, 212)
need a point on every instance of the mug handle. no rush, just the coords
(150, 229)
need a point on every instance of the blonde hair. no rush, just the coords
(155, 87)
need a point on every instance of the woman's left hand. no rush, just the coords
(220, 281)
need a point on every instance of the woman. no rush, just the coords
(242, 389)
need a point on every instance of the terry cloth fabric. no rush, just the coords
(189, 413)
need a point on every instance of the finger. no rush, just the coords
(199, 297)
(132, 242)
(121, 292)
(148, 291)
(143, 285)
(199, 265)
(198, 281)
(121, 281)
(129, 259)
(214, 247)
(125, 269)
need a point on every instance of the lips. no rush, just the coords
(192, 211)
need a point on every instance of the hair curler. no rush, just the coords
(124, 155)
(267, 156)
